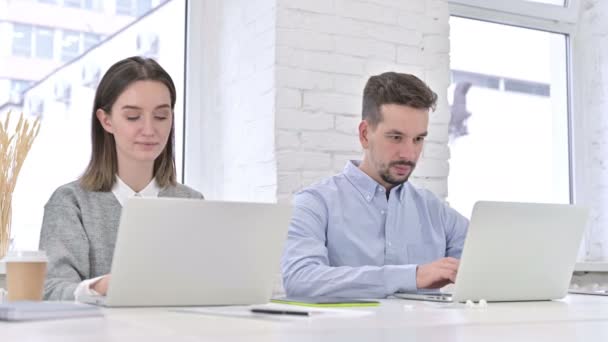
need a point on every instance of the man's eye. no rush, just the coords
(419, 139)
(132, 118)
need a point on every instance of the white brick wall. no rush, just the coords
(282, 86)
(238, 123)
(592, 178)
(326, 50)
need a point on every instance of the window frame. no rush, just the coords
(521, 8)
(192, 164)
(555, 19)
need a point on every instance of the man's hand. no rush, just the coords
(437, 274)
(101, 285)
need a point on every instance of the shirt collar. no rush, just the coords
(366, 185)
(122, 191)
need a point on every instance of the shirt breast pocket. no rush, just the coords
(423, 253)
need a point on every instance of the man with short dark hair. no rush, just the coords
(367, 232)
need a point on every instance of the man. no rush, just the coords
(367, 232)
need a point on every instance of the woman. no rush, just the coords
(132, 154)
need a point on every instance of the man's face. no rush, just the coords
(393, 147)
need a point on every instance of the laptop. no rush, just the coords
(188, 252)
(516, 252)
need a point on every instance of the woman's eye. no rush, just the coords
(132, 118)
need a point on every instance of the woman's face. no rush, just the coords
(140, 121)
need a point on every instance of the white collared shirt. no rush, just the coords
(122, 192)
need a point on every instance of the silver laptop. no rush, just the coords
(516, 252)
(187, 252)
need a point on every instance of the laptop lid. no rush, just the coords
(174, 252)
(519, 251)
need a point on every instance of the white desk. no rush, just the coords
(577, 317)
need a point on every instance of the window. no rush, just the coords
(124, 7)
(143, 6)
(133, 7)
(509, 126)
(84, 4)
(72, 3)
(91, 39)
(44, 42)
(63, 89)
(33, 41)
(17, 88)
(70, 45)
(22, 40)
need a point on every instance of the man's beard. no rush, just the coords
(386, 175)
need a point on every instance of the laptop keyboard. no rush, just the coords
(593, 289)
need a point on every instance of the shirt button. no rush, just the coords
(368, 197)
(390, 244)
(382, 212)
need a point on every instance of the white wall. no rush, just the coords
(326, 50)
(237, 160)
(281, 89)
(591, 53)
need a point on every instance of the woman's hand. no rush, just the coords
(101, 285)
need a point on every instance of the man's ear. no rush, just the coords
(364, 129)
(104, 120)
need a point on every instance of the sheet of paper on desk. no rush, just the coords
(245, 312)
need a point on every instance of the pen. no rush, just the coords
(280, 312)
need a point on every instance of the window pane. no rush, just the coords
(88, 4)
(90, 39)
(143, 6)
(17, 88)
(124, 7)
(72, 3)
(44, 43)
(22, 40)
(70, 45)
(64, 87)
(509, 126)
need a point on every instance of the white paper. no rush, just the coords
(245, 312)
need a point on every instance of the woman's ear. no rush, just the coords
(104, 120)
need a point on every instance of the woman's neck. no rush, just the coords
(137, 175)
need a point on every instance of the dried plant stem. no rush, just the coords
(13, 150)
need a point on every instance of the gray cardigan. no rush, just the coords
(79, 234)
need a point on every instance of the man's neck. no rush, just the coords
(366, 167)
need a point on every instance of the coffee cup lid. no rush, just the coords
(25, 256)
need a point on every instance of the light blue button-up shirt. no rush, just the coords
(347, 240)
